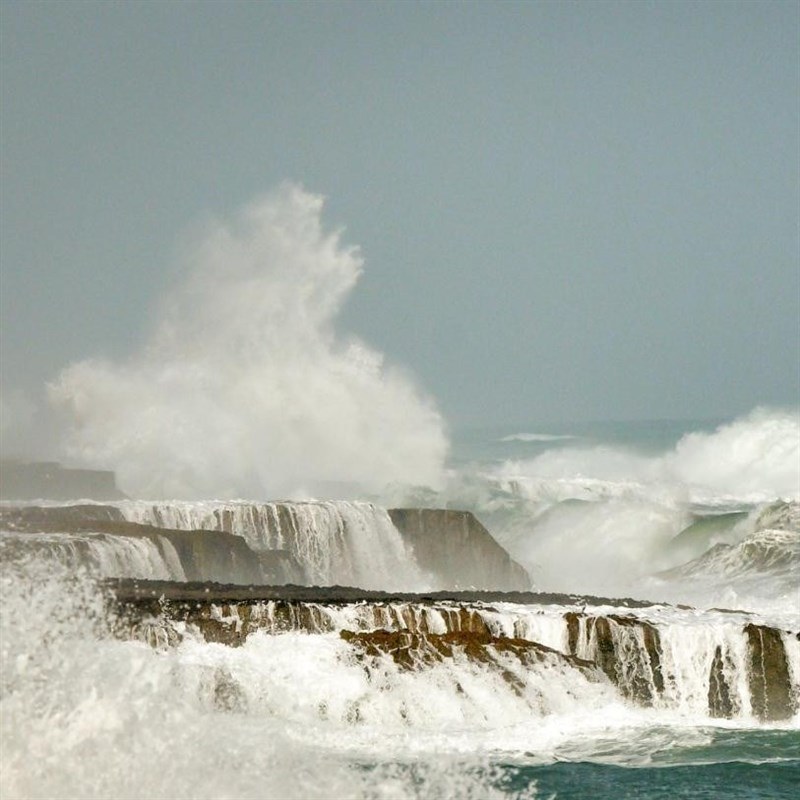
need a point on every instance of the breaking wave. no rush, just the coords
(244, 388)
(753, 459)
(602, 518)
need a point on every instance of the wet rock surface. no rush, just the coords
(131, 590)
(722, 702)
(458, 549)
(203, 555)
(410, 649)
(771, 692)
(627, 650)
(418, 630)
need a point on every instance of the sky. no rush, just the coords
(565, 211)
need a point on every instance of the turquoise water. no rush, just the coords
(750, 764)
(735, 780)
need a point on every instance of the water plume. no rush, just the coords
(245, 388)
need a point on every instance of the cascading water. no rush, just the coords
(346, 543)
(103, 555)
(420, 697)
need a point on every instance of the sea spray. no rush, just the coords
(753, 459)
(245, 388)
(299, 712)
(83, 714)
(601, 511)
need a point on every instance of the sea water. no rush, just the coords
(670, 512)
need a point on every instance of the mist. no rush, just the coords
(244, 387)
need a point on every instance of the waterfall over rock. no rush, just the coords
(342, 542)
(313, 543)
(714, 664)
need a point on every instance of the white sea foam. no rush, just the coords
(83, 715)
(300, 715)
(760, 573)
(600, 519)
(754, 459)
(244, 388)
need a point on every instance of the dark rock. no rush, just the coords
(48, 480)
(721, 700)
(626, 649)
(458, 550)
(134, 589)
(771, 693)
(573, 619)
(203, 555)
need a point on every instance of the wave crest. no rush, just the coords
(244, 388)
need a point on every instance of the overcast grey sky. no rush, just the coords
(567, 211)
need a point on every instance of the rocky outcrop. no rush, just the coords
(459, 551)
(203, 555)
(722, 701)
(48, 480)
(627, 650)
(157, 619)
(421, 629)
(57, 519)
(322, 543)
(771, 693)
(410, 649)
(335, 539)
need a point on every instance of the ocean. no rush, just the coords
(662, 550)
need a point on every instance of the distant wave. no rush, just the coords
(536, 437)
(601, 518)
(753, 459)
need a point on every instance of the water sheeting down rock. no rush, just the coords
(100, 539)
(771, 691)
(458, 549)
(715, 664)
